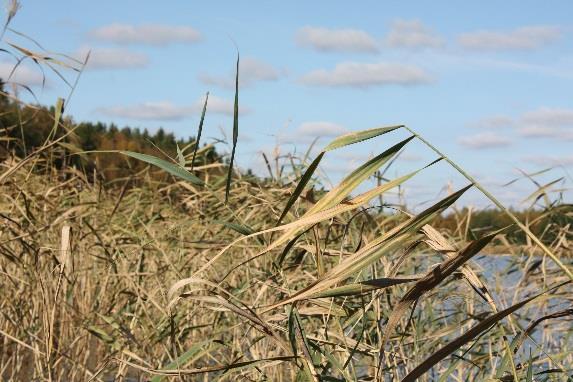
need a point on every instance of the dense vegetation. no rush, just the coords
(25, 128)
(105, 282)
(194, 271)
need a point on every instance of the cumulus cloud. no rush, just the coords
(362, 156)
(167, 111)
(149, 34)
(23, 74)
(493, 122)
(412, 34)
(113, 58)
(163, 110)
(547, 123)
(306, 132)
(550, 117)
(410, 157)
(484, 141)
(363, 75)
(336, 40)
(320, 129)
(566, 160)
(342, 167)
(524, 38)
(544, 122)
(217, 105)
(535, 131)
(250, 71)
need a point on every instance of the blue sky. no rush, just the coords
(488, 82)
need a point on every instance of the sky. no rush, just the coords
(489, 83)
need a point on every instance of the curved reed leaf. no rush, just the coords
(365, 286)
(171, 168)
(296, 228)
(359, 136)
(396, 238)
(356, 177)
(240, 228)
(342, 141)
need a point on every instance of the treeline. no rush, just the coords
(545, 223)
(102, 137)
(24, 128)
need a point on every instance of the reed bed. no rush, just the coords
(166, 280)
(205, 273)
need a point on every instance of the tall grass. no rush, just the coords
(166, 280)
(215, 276)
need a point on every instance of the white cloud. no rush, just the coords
(554, 69)
(484, 141)
(167, 111)
(217, 105)
(250, 71)
(113, 58)
(525, 38)
(559, 68)
(536, 131)
(493, 122)
(566, 160)
(355, 156)
(150, 34)
(336, 40)
(163, 110)
(24, 75)
(550, 117)
(359, 157)
(547, 123)
(333, 166)
(412, 34)
(353, 74)
(308, 131)
(320, 128)
(410, 157)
